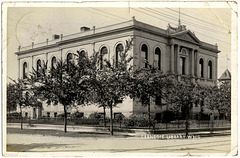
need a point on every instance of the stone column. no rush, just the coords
(215, 70)
(32, 63)
(172, 58)
(19, 69)
(196, 64)
(46, 60)
(192, 62)
(178, 60)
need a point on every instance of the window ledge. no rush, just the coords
(210, 79)
(202, 78)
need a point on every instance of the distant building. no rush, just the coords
(226, 76)
(174, 51)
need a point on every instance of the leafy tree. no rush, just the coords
(182, 96)
(94, 115)
(111, 82)
(148, 84)
(219, 98)
(66, 83)
(11, 98)
(119, 118)
(18, 93)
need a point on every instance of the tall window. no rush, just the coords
(144, 54)
(104, 51)
(182, 65)
(25, 71)
(119, 50)
(27, 96)
(54, 62)
(210, 69)
(38, 67)
(201, 68)
(69, 58)
(158, 58)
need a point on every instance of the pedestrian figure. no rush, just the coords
(211, 122)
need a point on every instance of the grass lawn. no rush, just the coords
(58, 133)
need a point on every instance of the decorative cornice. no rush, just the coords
(127, 26)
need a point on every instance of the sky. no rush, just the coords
(35, 24)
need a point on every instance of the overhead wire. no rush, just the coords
(196, 18)
(108, 13)
(38, 25)
(176, 24)
(191, 23)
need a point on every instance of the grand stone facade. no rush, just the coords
(174, 51)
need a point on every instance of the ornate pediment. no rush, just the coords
(186, 36)
(182, 33)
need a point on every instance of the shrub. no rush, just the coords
(119, 117)
(86, 121)
(77, 114)
(128, 122)
(94, 115)
(140, 120)
(14, 115)
(168, 116)
(60, 115)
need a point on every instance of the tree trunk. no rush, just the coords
(187, 121)
(149, 117)
(65, 119)
(9, 118)
(104, 116)
(21, 118)
(111, 120)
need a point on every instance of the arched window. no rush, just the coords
(54, 63)
(210, 69)
(69, 58)
(103, 52)
(182, 65)
(201, 68)
(25, 70)
(144, 54)
(38, 67)
(27, 96)
(157, 58)
(119, 50)
(83, 53)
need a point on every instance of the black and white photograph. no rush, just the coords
(119, 79)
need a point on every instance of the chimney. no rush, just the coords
(55, 36)
(84, 28)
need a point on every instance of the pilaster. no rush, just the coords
(172, 58)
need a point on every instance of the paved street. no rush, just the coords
(142, 144)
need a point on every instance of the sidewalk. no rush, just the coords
(203, 132)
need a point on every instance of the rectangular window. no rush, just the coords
(158, 100)
(48, 114)
(34, 113)
(55, 114)
(119, 101)
(182, 65)
(26, 115)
